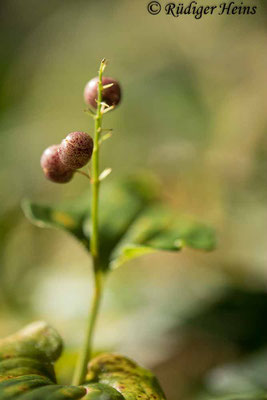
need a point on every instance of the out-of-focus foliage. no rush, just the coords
(193, 111)
(219, 319)
(131, 223)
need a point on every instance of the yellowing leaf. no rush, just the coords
(27, 371)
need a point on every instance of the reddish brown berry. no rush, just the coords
(76, 150)
(110, 95)
(53, 168)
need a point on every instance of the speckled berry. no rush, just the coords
(110, 95)
(76, 150)
(53, 168)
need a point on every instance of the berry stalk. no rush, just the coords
(86, 352)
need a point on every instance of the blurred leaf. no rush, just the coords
(69, 218)
(159, 229)
(8, 224)
(131, 222)
(246, 375)
(243, 396)
(120, 204)
(27, 373)
(236, 317)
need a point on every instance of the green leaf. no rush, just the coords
(70, 218)
(132, 222)
(159, 229)
(120, 205)
(124, 375)
(27, 372)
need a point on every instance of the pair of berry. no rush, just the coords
(59, 162)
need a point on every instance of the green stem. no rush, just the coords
(86, 351)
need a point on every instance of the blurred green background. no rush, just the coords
(194, 113)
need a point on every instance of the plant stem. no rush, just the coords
(83, 173)
(86, 351)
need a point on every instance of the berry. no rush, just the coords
(53, 168)
(110, 95)
(76, 150)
